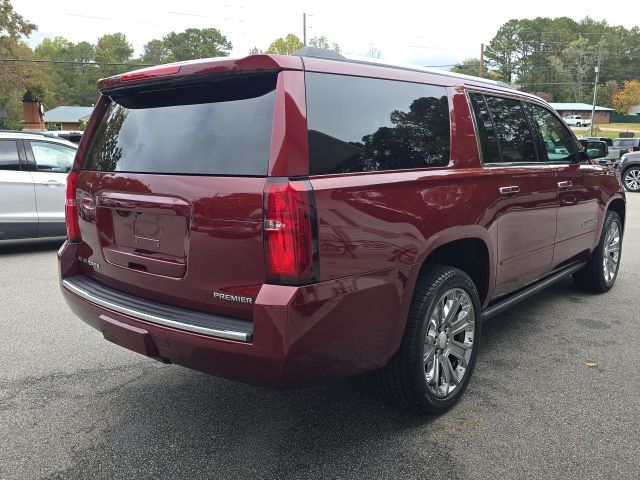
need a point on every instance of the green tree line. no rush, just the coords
(554, 56)
(557, 57)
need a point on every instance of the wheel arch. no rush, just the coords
(471, 249)
(618, 205)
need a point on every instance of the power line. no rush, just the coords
(64, 62)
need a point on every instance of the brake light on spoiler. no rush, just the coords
(150, 72)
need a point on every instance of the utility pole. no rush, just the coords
(481, 73)
(595, 91)
(304, 29)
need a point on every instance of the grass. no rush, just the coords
(632, 127)
(609, 130)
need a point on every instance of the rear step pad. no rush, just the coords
(161, 314)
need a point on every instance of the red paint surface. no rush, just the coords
(375, 230)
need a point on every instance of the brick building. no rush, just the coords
(603, 114)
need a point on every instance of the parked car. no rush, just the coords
(577, 121)
(613, 157)
(630, 171)
(33, 172)
(627, 144)
(72, 136)
(328, 217)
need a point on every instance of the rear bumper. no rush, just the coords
(299, 335)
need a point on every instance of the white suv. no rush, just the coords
(576, 121)
(33, 175)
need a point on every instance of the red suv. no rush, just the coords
(283, 220)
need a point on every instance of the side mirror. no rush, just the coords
(595, 148)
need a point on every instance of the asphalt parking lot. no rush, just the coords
(75, 406)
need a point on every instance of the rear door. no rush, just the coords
(525, 210)
(171, 192)
(51, 163)
(577, 186)
(18, 216)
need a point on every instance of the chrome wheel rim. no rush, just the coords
(611, 253)
(632, 179)
(449, 342)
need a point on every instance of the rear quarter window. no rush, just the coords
(214, 127)
(361, 124)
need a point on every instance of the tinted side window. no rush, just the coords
(512, 130)
(486, 132)
(51, 157)
(9, 159)
(558, 142)
(363, 124)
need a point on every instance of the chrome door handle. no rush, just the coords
(508, 190)
(565, 184)
(52, 183)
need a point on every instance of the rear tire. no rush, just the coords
(631, 178)
(601, 271)
(438, 352)
(578, 124)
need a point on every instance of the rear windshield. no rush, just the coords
(214, 127)
(623, 143)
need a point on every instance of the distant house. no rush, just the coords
(603, 114)
(67, 118)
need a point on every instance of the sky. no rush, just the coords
(416, 32)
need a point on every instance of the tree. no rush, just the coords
(12, 27)
(373, 51)
(15, 78)
(627, 97)
(288, 45)
(471, 66)
(255, 51)
(196, 43)
(323, 42)
(606, 93)
(155, 52)
(113, 48)
(574, 64)
(71, 84)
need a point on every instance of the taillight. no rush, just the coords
(290, 232)
(71, 209)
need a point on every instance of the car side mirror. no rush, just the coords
(596, 149)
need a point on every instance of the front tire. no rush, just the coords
(578, 124)
(601, 271)
(631, 178)
(438, 352)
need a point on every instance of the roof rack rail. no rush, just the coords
(320, 53)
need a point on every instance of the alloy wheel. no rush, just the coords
(632, 179)
(611, 252)
(449, 342)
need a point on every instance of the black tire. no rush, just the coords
(578, 124)
(631, 186)
(404, 378)
(592, 278)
